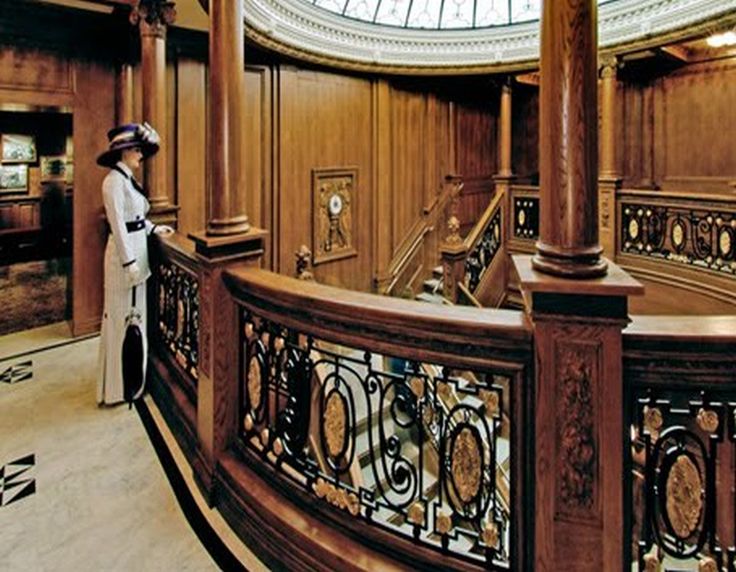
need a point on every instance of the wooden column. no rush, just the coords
(228, 240)
(578, 304)
(568, 239)
(609, 180)
(124, 98)
(227, 119)
(505, 168)
(153, 16)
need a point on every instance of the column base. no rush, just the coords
(248, 243)
(579, 264)
(227, 227)
(162, 212)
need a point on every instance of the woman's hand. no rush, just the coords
(133, 274)
(163, 230)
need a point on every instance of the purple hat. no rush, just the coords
(127, 136)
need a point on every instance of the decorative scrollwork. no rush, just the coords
(526, 218)
(178, 315)
(414, 443)
(702, 238)
(484, 252)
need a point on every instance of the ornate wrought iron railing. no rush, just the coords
(484, 252)
(408, 418)
(524, 219)
(699, 233)
(176, 289)
(681, 409)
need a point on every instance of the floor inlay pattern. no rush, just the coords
(16, 482)
(17, 373)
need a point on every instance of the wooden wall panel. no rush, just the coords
(258, 120)
(696, 109)
(170, 131)
(191, 129)
(35, 70)
(94, 112)
(409, 156)
(525, 132)
(477, 156)
(324, 122)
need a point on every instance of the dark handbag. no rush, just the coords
(133, 379)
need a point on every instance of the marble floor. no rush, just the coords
(81, 487)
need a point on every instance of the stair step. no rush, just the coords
(431, 298)
(432, 285)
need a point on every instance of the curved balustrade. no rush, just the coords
(680, 383)
(388, 416)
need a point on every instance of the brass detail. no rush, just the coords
(444, 390)
(453, 231)
(651, 563)
(491, 401)
(278, 447)
(332, 225)
(724, 241)
(179, 318)
(490, 534)
(320, 488)
(248, 422)
(707, 564)
(417, 387)
(653, 419)
(334, 424)
(443, 523)
(303, 263)
(264, 436)
(416, 514)
(249, 330)
(466, 464)
(684, 497)
(633, 229)
(254, 383)
(338, 497)
(708, 420)
(678, 234)
(497, 231)
(521, 217)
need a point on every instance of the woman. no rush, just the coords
(126, 255)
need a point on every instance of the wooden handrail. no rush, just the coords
(686, 197)
(695, 330)
(474, 235)
(391, 325)
(179, 250)
(469, 295)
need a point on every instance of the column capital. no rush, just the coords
(153, 16)
(608, 66)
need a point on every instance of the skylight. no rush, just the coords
(437, 14)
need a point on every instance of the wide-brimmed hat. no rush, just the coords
(127, 136)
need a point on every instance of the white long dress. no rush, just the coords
(123, 204)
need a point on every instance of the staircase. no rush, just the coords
(432, 289)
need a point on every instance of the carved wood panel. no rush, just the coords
(333, 213)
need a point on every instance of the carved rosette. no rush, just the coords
(443, 523)
(466, 465)
(153, 16)
(334, 425)
(416, 513)
(491, 400)
(653, 420)
(577, 461)
(684, 497)
(707, 420)
(490, 534)
(337, 496)
(254, 383)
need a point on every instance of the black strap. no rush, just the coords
(134, 287)
(135, 225)
(136, 185)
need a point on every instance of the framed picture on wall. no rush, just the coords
(18, 148)
(53, 168)
(14, 179)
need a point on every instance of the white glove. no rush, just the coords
(163, 230)
(133, 274)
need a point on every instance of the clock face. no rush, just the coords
(335, 205)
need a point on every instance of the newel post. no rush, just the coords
(578, 304)
(229, 240)
(453, 250)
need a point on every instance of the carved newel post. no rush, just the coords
(609, 180)
(153, 17)
(578, 305)
(227, 241)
